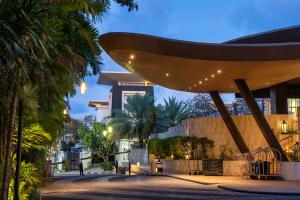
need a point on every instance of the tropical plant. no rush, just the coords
(49, 44)
(136, 120)
(179, 147)
(175, 111)
(96, 141)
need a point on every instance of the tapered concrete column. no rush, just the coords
(229, 122)
(259, 117)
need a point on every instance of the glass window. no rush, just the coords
(293, 104)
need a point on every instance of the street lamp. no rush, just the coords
(65, 112)
(284, 126)
(110, 129)
(105, 133)
(83, 87)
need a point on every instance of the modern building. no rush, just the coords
(261, 65)
(123, 85)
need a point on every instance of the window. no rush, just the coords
(126, 94)
(132, 83)
(293, 105)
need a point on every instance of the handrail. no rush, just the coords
(285, 138)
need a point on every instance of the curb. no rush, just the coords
(259, 192)
(189, 180)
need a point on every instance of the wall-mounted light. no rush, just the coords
(83, 87)
(284, 126)
(172, 157)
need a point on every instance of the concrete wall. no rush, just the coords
(291, 171)
(235, 168)
(215, 129)
(138, 155)
(178, 166)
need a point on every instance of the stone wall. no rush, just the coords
(215, 129)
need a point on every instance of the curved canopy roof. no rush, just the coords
(203, 67)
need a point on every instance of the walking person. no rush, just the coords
(81, 169)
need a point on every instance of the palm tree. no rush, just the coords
(174, 111)
(51, 44)
(136, 120)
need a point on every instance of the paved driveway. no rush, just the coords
(141, 187)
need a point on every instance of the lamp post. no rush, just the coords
(83, 87)
(105, 133)
(284, 126)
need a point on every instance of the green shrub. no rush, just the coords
(65, 165)
(179, 147)
(106, 165)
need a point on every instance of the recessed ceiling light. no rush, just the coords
(206, 79)
(219, 71)
(212, 75)
(131, 56)
(200, 82)
(167, 74)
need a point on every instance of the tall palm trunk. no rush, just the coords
(7, 165)
(19, 144)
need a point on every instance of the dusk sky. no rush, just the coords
(194, 20)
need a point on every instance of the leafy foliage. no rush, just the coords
(35, 137)
(179, 147)
(137, 118)
(46, 48)
(94, 139)
(201, 105)
(106, 165)
(29, 180)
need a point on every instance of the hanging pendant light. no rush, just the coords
(65, 112)
(83, 87)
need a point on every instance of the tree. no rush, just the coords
(136, 120)
(96, 140)
(175, 111)
(240, 107)
(201, 105)
(50, 44)
(170, 114)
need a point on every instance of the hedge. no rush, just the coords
(179, 147)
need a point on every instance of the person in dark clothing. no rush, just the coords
(81, 169)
